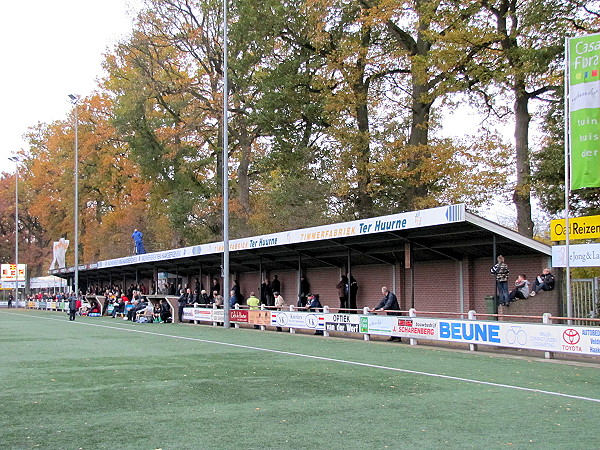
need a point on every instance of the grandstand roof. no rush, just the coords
(448, 232)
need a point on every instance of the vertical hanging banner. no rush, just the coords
(583, 74)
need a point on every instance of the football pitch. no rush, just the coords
(107, 383)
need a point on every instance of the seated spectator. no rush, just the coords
(118, 308)
(156, 312)
(136, 307)
(521, 289)
(543, 282)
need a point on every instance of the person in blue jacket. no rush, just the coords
(139, 243)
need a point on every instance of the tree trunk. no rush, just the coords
(522, 193)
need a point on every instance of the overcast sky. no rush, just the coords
(52, 49)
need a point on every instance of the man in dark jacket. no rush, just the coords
(543, 282)
(72, 306)
(388, 303)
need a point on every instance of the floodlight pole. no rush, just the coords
(16, 160)
(74, 101)
(226, 323)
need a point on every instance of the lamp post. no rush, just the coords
(16, 160)
(74, 100)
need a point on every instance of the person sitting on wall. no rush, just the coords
(521, 289)
(543, 282)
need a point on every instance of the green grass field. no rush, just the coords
(100, 383)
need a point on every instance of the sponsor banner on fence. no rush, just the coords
(238, 315)
(294, 319)
(400, 326)
(259, 317)
(558, 338)
(188, 314)
(413, 327)
(349, 323)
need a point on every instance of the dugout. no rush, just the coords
(435, 260)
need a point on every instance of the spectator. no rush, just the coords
(521, 289)
(165, 311)
(217, 299)
(342, 288)
(276, 284)
(254, 303)
(543, 282)
(266, 293)
(118, 307)
(233, 299)
(238, 293)
(314, 305)
(500, 270)
(184, 300)
(389, 303)
(279, 303)
(353, 293)
(72, 306)
(216, 286)
(203, 298)
(304, 292)
(139, 242)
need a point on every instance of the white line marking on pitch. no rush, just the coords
(341, 361)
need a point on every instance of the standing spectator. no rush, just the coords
(276, 284)
(217, 299)
(253, 303)
(266, 293)
(314, 305)
(215, 286)
(72, 306)
(521, 289)
(543, 282)
(238, 293)
(279, 303)
(388, 303)
(342, 288)
(353, 293)
(233, 299)
(139, 242)
(304, 291)
(165, 311)
(184, 300)
(10, 300)
(500, 270)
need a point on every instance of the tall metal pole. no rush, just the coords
(75, 100)
(16, 160)
(17, 234)
(226, 323)
(567, 136)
